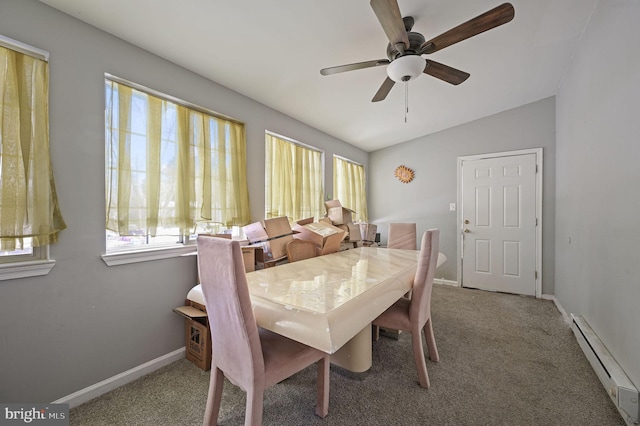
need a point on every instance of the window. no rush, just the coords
(172, 170)
(349, 186)
(294, 176)
(21, 251)
(30, 217)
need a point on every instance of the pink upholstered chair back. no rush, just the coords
(402, 236)
(234, 333)
(420, 308)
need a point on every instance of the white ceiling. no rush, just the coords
(272, 51)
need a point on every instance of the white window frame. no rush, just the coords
(125, 257)
(185, 244)
(38, 262)
(24, 265)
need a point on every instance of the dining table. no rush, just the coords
(328, 302)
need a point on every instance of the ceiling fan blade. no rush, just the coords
(445, 72)
(388, 14)
(488, 20)
(355, 66)
(384, 90)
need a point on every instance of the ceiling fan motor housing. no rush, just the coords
(415, 42)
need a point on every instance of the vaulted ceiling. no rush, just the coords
(272, 51)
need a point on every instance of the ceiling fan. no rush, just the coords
(405, 48)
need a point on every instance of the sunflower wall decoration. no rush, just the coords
(404, 174)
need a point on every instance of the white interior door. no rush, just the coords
(499, 223)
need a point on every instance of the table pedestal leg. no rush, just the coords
(355, 355)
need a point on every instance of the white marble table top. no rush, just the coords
(325, 301)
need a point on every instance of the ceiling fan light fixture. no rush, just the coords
(406, 68)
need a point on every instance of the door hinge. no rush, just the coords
(536, 221)
(536, 168)
(536, 274)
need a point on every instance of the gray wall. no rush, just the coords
(598, 200)
(86, 322)
(434, 159)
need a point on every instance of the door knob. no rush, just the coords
(466, 231)
(466, 221)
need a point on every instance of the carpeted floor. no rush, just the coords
(504, 360)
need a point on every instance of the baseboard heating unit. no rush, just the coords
(621, 390)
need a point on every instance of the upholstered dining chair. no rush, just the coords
(414, 314)
(300, 250)
(402, 236)
(252, 358)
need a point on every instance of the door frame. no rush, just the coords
(538, 249)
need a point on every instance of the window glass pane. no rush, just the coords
(23, 253)
(293, 181)
(139, 240)
(26, 249)
(349, 187)
(172, 171)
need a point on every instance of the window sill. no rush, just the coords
(127, 257)
(10, 271)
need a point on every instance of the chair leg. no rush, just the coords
(322, 396)
(418, 356)
(214, 397)
(375, 332)
(253, 411)
(431, 341)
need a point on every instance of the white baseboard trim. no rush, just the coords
(445, 282)
(94, 391)
(565, 315)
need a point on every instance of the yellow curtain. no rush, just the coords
(171, 170)
(28, 202)
(349, 187)
(293, 180)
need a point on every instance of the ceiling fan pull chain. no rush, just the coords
(406, 100)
